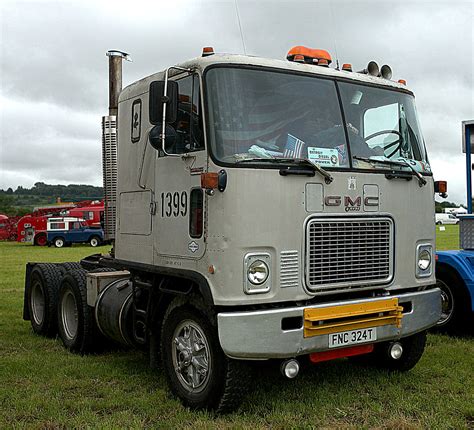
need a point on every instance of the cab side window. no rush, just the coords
(188, 124)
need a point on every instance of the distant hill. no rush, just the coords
(23, 200)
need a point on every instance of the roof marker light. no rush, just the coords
(347, 67)
(402, 81)
(298, 58)
(207, 50)
(308, 54)
(323, 62)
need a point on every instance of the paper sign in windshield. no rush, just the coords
(323, 156)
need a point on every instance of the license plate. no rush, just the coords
(352, 337)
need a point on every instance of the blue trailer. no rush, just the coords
(455, 269)
(455, 277)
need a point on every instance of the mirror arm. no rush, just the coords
(165, 99)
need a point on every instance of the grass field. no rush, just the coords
(44, 387)
(448, 238)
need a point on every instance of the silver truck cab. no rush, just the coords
(265, 209)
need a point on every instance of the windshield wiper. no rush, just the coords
(421, 180)
(299, 161)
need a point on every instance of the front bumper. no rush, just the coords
(259, 334)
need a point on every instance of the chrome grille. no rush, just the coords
(342, 252)
(289, 269)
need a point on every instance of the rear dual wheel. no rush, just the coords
(42, 298)
(76, 324)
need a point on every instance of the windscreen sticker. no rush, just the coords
(341, 152)
(328, 157)
(419, 166)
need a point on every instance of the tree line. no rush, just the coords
(23, 199)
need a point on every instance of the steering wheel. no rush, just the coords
(397, 142)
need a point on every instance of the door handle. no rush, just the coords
(153, 208)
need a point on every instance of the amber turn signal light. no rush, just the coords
(209, 181)
(441, 187)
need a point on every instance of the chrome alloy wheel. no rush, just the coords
(37, 303)
(69, 314)
(191, 356)
(447, 303)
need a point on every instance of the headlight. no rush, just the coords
(424, 262)
(257, 272)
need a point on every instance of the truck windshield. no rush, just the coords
(382, 125)
(260, 114)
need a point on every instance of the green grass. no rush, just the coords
(44, 387)
(448, 238)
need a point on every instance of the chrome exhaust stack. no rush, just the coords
(109, 143)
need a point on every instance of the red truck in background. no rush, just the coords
(92, 214)
(32, 227)
(8, 227)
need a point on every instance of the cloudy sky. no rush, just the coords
(53, 69)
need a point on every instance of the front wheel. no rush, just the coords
(59, 242)
(197, 370)
(412, 351)
(94, 241)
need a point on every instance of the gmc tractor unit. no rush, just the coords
(259, 209)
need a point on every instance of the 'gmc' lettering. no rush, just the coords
(371, 201)
(332, 201)
(349, 202)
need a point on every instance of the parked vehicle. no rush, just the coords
(244, 200)
(93, 213)
(32, 227)
(65, 231)
(455, 268)
(4, 232)
(446, 219)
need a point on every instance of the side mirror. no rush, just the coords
(157, 100)
(170, 138)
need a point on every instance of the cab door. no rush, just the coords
(178, 223)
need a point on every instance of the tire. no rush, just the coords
(59, 242)
(42, 298)
(221, 383)
(70, 265)
(454, 302)
(438, 223)
(76, 325)
(41, 240)
(413, 348)
(94, 241)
